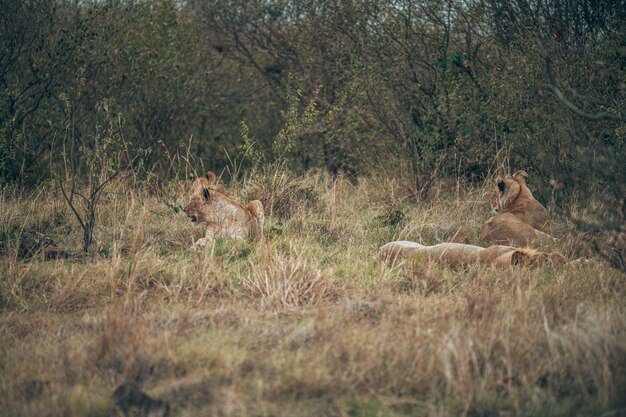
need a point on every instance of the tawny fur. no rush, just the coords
(458, 255)
(520, 219)
(224, 217)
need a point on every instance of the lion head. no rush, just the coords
(533, 258)
(203, 191)
(200, 197)
(508, 190)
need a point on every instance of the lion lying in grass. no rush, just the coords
(225, 217)
(520, 218)
(459, 255)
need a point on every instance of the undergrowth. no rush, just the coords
(301, 323)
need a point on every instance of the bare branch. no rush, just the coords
(591, 116)
(70, 203)
(553, 87)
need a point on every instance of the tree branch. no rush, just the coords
(590, 116)
(553, 87)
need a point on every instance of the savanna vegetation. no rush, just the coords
(355, 123)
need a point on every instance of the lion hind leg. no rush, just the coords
(255, 207)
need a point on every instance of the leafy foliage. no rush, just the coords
(426, 89)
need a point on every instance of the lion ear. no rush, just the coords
(211, 177)
(206, 194)
(501, 185)
(520, 175)
(220, 188)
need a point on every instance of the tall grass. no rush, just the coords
(301, 323)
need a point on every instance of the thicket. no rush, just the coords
(423, 89)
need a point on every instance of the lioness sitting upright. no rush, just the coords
(520, 218)
(224, 216)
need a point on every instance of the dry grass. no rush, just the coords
(301, 324)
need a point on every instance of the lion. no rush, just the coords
(519, 218)
(460, 255)
(225, 217)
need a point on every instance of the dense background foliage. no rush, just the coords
(423, 89)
